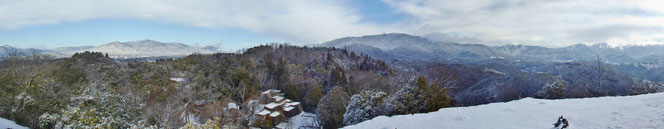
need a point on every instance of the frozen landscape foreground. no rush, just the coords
(631, 112)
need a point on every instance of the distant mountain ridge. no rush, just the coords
(383, 41)
(410, 47)
(131, 49)
(397, 44)
(147, 48)
(6, 49)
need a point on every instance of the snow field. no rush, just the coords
(7, 124)
(628, 112)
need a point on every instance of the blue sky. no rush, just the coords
(233, 25)
(376, 11)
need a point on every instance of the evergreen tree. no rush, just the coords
(313, 96)
(419, 98)
(332, 107)
(437, 98)
(291, 92)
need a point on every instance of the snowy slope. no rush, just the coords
(302, 120)
(631, 112)
(147, 48)
(140, 48)
(7, 124)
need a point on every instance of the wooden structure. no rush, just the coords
(276, 110)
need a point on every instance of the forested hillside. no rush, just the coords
(485, 74)
(92, 90)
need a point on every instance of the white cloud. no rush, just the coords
(539, 22)
(291, 20)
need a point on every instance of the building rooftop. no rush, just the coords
(271, 91)
(278, 98)
(282, 102)
(274, 114)
(292, 104)
(271, 105)
(264, 112)
(289, 108)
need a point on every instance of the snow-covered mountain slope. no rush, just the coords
(133, 49)
(632, 112)
(403, 47)
(71, 49)
(6, 49)
(145, 48)
(408, 47)
(383, 41)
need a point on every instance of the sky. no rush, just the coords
(236, 24)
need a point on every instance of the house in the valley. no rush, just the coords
(260, 116)
(292, 109)
(277, 110)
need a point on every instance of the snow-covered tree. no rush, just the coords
(95, 110)
(553, 90)
(364, 106)
(405, 101)
(419, 98)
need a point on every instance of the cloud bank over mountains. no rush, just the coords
(540, 22)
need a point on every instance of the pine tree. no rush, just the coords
(291, 92)
(332, 107)
(437, 98)
(313, 96)
(419, 98)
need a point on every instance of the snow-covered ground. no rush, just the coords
(630, 112)
(302, 120)
(7, 124)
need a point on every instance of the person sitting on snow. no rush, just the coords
(559, 122)
(565, 124)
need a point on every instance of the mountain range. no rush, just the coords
(415, 47)
(398, 47)
(132, 49)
